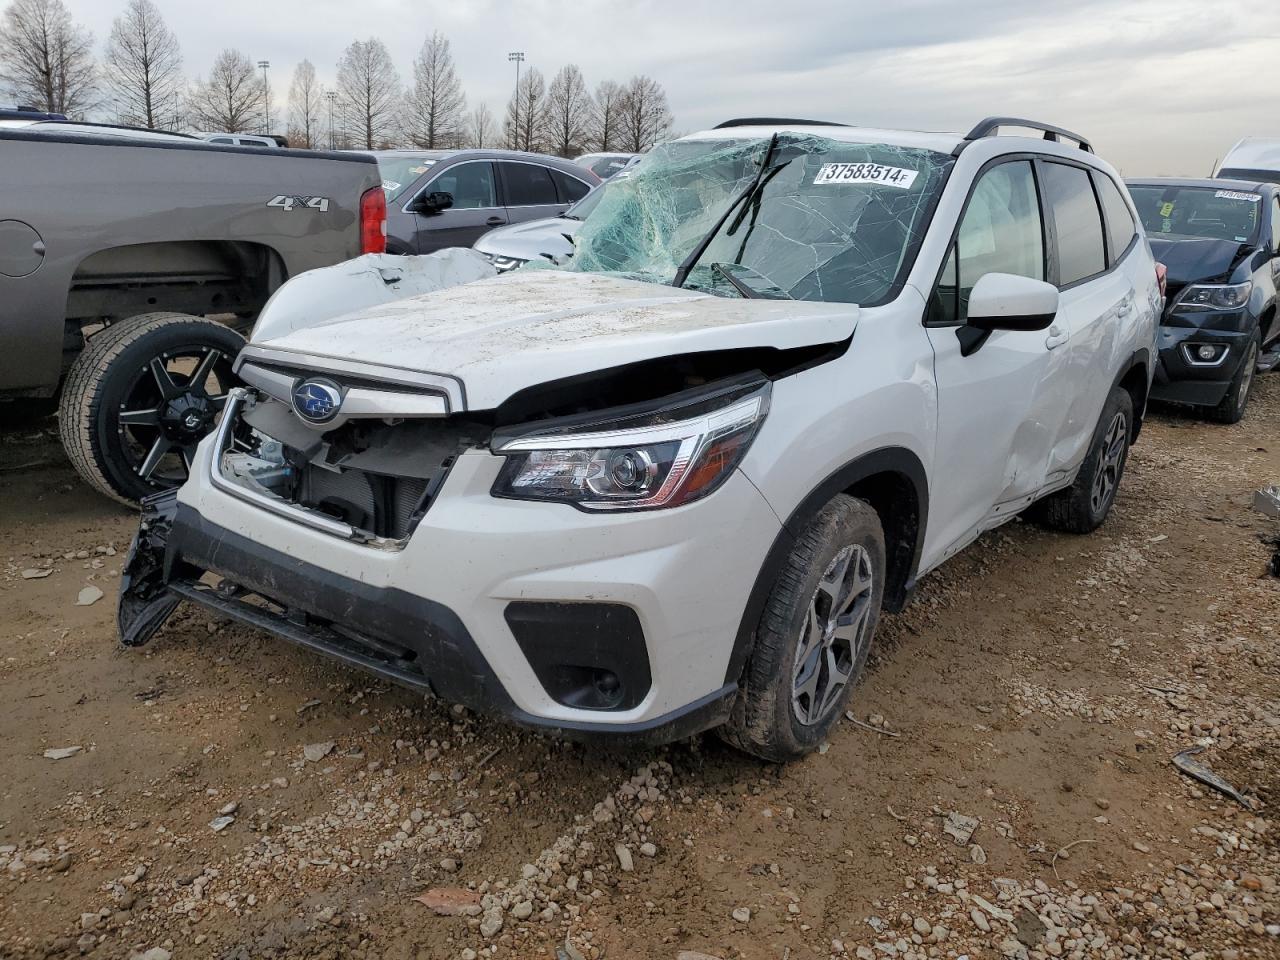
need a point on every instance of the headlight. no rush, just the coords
(1215, 296)
(503, 264)
(643, 467)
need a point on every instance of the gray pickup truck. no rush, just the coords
(130, 259)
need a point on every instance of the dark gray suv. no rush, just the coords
(450, 198)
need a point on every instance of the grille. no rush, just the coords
(377, 476)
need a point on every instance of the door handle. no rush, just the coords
(495, 222)
(1058, 335)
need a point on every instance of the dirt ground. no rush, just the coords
(1039, 685)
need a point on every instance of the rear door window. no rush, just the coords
(1077, 222)
(527, 185)
(1120, 228)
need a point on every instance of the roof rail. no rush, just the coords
(990, 127)
(775, 121)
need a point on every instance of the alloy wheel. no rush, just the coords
(1246, 376)
(835, 634)
(1108, 475)
(170, 405)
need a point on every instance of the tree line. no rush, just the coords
(47, 61)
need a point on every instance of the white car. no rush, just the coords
(548, 239)
(671, 486)
(241, 140)
(1253, 158)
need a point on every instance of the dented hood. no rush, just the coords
(1200, 259)
(502, 335)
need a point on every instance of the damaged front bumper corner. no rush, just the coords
(179, 555)
(145, 599)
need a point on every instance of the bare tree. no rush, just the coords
(434, 108)
(46, 59)
(144, 66)
(369, 89)
(566, 113)
(523, 124)
(231, 100)
(606, 119)
(481, 131)
(306, 97)
(644, 115)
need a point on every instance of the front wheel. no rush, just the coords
(814, 635)
(1083, 506)
(1231, 408)
(140, 397)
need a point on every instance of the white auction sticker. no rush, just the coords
(1237, 195)
(866, 173)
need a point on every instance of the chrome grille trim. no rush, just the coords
(447, 387)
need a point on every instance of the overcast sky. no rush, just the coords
(1161, 86)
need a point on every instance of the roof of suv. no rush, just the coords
(950, 143)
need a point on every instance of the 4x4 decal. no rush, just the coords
(288, 203)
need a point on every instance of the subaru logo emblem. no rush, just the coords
(317, 401)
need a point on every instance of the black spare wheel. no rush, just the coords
(140, 397)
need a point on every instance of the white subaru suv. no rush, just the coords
(670, 483)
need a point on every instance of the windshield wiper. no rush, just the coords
(682, 273)
(774, 292)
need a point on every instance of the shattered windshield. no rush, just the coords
(831, 220)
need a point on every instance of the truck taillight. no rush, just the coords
(373, 221)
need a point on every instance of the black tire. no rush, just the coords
(1231, 408)
(766, 720)
(111, 454)
(1083, 506)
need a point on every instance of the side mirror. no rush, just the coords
(434, 202)
(1003, 301)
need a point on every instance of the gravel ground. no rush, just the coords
(1004, 787)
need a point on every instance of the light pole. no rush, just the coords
(330, 96)
(266, 96)
(517, 58)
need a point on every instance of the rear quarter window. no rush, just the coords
(1119, 220)
(1077, 222)
(571, 189)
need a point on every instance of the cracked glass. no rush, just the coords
(831, 220)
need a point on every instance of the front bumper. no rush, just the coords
(1180, 380)
(490, 603)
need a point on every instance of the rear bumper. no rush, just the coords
(1180, 380)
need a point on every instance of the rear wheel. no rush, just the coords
(814, 636)
(1231, 408)
(1083, 506)
(140, 397)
